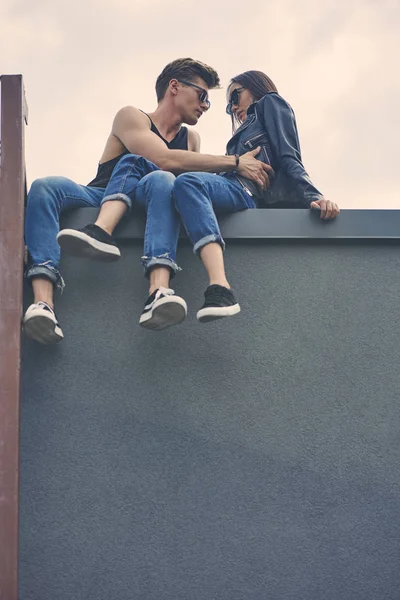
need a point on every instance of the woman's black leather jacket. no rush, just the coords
(271, 124)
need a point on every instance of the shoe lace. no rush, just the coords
(164, 292)
(45, 305)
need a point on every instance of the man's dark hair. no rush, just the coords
(187, 69)
(258, 83)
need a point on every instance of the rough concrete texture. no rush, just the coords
(251, 458)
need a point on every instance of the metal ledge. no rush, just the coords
(289, 224)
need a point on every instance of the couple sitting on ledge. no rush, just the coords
(152, 161)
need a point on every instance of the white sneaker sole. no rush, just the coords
(80, 244)
(168, 311)
(212, 313)
(42, 328)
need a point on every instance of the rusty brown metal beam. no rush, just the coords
(12, 187)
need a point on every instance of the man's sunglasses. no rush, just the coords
(203, 97)
(233, 100)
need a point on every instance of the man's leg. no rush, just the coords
(197, 197)
(95, 240)
(154, 194)
(47, 198)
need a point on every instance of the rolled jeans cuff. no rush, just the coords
(119, 196)
(148, 263)
(47, 271)
(208, 239)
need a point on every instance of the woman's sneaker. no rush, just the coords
(90, 242)
(219, 302)
(40, 323)
(163, 309)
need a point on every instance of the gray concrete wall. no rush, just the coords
(250, 458)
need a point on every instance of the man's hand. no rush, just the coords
(254, 169)
(329, 209)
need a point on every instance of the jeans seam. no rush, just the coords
(72, 197)
(237, 187)
(240, 189)
(123, 181)
(212, 213)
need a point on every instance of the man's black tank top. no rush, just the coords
(104, 171)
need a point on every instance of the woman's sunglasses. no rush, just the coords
(203, 97)
(234, 99)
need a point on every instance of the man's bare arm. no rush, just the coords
(193, 141)
(131, 126)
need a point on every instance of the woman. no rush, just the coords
(264, 122)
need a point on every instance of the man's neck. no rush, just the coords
(167, 120)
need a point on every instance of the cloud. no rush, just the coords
(335, 64)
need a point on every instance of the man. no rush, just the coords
(140, 157)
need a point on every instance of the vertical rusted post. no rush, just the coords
(11, 272)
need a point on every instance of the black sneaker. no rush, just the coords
(90, 242)
(219, 302)
(163, 309)
(40, 323)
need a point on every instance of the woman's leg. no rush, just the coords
(198, 197)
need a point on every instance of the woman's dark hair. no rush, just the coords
(258, 83)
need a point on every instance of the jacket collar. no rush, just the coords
(252, 108)
(249, 119)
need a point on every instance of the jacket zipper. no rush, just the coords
(243, 127)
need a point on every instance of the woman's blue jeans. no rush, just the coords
(200, 198)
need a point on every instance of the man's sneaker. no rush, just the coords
(40, 323)
(90, 242)
(219, 302)
(163, 309)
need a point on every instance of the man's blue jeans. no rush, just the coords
(192, 197)
(135, 181)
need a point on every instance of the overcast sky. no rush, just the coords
(335, 62)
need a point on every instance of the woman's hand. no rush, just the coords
(254, 169)
(328, 209)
